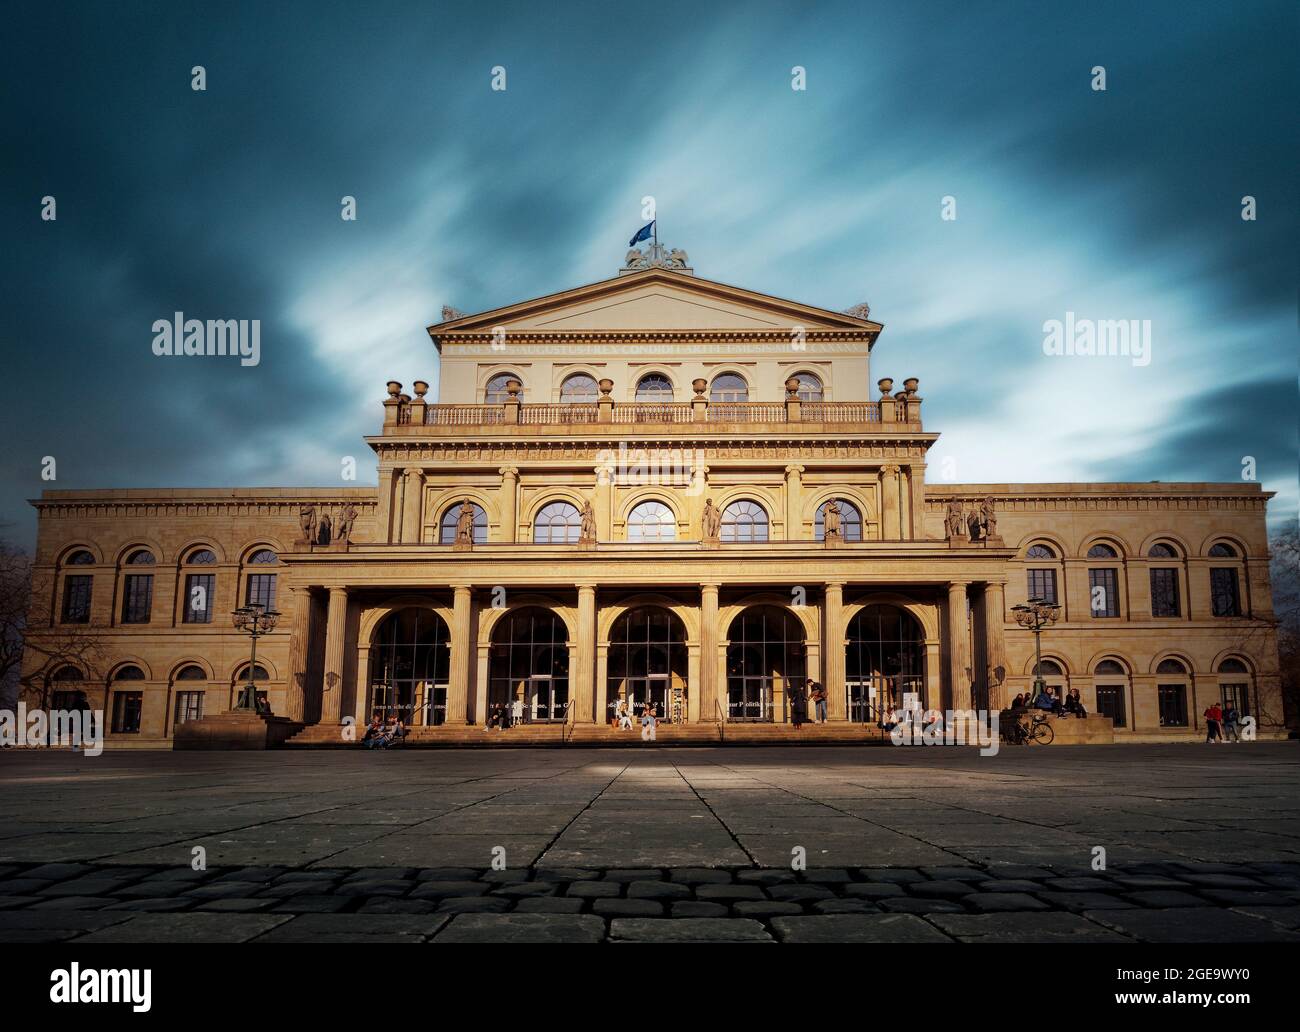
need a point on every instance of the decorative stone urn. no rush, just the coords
(911, 384)
(699, 386)
(421, 388)
(394, 388)
(606, 386)
(886, 385)
(792, 387)
(513, 387)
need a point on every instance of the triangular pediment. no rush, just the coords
(657, 299)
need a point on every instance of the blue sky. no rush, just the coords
(1123, 204)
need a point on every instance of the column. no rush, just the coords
(584, 690)
(603, 503)
(461, 651)
(413, 505)
(299, 643)
(958, 661)
(916, 481)
(833, 631)
(335, 638)
(890, 525)
(793, 494)
(708, 652)
(995, 646)
(509, 502)
(384, 514)
(602, 682)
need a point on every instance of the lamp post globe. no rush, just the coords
(255, 620)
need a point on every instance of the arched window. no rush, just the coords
(1221, 550)
(143, 557)
(744, 521)
(495, 392)
(1041, 582)
(260, 588)
(647, 663)
(128, 704)
(189, 697)
(729, 387)
(1162, 551)
(68, 693)
(1111, 682)
(137, 589)
(1103, 584)
(654, 387)
(810, 386)
(77, 588)
(1234, 686)
(68, 673)
(884, 661)
(850, 521)
(651, 521)
(1171, 691)
(1108, 667)
(1100, 551)
(1225, 582)
(766, 656)
(450, 518)
(80, 558)
(579, 388)
(259, 674)
(558, 523)
(528, 667)
(200, 588)
(192, 672)
(410, 665)
(1166, 590)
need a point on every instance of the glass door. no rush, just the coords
(749, 697)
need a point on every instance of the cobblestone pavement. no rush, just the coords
(1202, 844)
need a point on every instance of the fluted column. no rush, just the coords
(833, 664)
(958, 661)
(299, 643)
(793, 495)
(995, 647)
(584, 686)
(462, 649)
(335, 640)
(412, 505)
(708, 652)
(890, 517)
(509, 502)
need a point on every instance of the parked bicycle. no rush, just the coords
(1037, 730)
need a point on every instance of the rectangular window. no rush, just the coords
(1164, 593)
(199, 588)
(1238, 697)
(261, 589)
(126, 712)
(1104, 596)
(137, 598)
(1224, 596)
(1173, 705)
(76, 598)
(1042, 584)
(1110, 703)
(189, 706)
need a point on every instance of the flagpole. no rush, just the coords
(655, 227)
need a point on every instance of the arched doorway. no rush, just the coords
(765, 653)
(410, 664)
(528, 666)
(884, 661)
(647, 664)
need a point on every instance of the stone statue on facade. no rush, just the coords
(307, 521)
(711, 521)
(862, 311)
(324, 531)
(956, 521)
(465, 525)
(587, 527)
(449, 313)
(347, 517)
(833, 522)
(988, 519)
(676, 259)
(635, 259)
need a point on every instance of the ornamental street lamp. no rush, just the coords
(1034, 615)
(254, 620)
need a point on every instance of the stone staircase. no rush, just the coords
(321, 736)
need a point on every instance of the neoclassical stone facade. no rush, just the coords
(621, 497)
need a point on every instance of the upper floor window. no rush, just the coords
(1040, 552)
(76, 598)
(80, 558)
(495, 392)
(651, 521)
(143, 557)
(1103, 587)
(744, 521)
(1041, 583)
(261, 586)
(1102, 552)
(1225, 592)
(729, 387)
(451, 520)
(1164, 592)
(850, 521)
(558, 523)
(192, 672)
(1162, 551)
(654, 387)
(579, 388)
(201, 557)
(1222, 551)
(810, 387)
(137, 590)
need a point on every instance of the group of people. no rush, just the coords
(502, 715)
(1221, 723)
(384, 736)
(623, 718)
(1048, 701)
(799, 695)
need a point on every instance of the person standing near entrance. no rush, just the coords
(799, 704)
(1213, 717)
(1230, 721)
(648, 724)
(818, 694)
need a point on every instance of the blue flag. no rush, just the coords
(642, 234)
